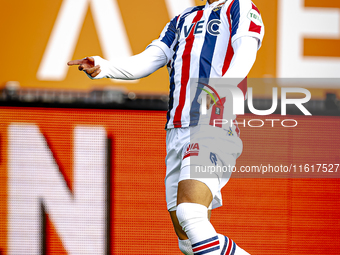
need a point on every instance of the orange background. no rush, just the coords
(26, 27)
(264, 216)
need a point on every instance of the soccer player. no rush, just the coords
(216, 40)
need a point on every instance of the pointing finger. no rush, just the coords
(75, 62)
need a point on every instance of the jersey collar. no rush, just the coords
(214, 4)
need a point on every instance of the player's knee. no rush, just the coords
(185, 247)
(190, 213)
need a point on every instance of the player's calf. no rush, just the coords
(202, 235)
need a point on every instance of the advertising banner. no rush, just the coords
(82, 181)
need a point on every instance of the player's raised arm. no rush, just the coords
(131, 68)
(155, 56)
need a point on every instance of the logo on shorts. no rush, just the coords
(213, 158)
(209, 93)
(230, 132)
(192, 150)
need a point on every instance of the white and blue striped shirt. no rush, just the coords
(198, 44)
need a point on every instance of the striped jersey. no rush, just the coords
(198, 45)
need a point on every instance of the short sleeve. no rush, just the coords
(168, 38)
(245, 20)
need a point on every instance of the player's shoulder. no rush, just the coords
(248, 2)
(238, 2)
(190, 10)
(240, 5)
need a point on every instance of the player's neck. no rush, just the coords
(211, 1)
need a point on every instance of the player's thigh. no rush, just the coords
(194, 191)
(176, 140)
(194, 186)
(178, 229)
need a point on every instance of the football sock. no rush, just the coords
(228, 246)
(194, 221)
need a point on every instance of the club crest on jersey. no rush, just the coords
(193, 149)
(219, 7)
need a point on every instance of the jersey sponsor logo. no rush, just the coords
(192, 150)
(187, 31)
(213, 28)
(255, 17)
(198, 28)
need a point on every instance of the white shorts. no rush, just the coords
(196, 153)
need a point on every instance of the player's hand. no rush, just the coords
(86, 65)
(210, 101)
